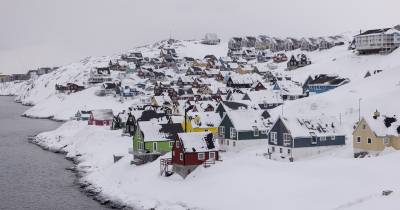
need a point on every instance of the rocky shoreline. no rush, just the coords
(84, 186)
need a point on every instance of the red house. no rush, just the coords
(101, 117)
(193, 149)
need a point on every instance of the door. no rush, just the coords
(154, 146)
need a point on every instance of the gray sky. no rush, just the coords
(37, 33)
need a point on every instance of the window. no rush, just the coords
(289, 151)
(180, 156)
(386, 141)
(200, 156)
(177, 144)
(227, 142)
(171, 144)
(234, 143)
(140, 145)
(333, 138)
(323, 138)
(274, 138)
(358, 139)
(222, 131)
(369, 141)
(263, 132)
(256, 132)
(313, 140)
(286, 139)
(211, 155)
(364, 126)
(273, 149)
(280, 150)
(233, 133)
(154, 146)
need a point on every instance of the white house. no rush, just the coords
(377, 41)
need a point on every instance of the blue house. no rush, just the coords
(296, 138)
(243, 128)
(322, 83)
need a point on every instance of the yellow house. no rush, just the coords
(201, 122)
(373, 135)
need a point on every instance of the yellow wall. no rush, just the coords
(377, 143)
(190, 128)
(395, 142)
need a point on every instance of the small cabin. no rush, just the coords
(193, 149)
(101, 117)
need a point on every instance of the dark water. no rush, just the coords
(31, 178)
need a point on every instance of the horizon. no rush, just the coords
(45, 33)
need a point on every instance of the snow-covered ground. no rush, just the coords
(245, 180)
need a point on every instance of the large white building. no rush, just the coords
(377, 41)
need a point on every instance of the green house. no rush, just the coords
(152, 139)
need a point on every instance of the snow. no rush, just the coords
(245, 179)
(196, 142)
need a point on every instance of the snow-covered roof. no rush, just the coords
(381, 128)
(204, 119)
(244, 120)
(102, 114)
(321, 125)
(196, 142)
(154, 130)
(264, 97)
(161, 100)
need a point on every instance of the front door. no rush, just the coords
(154, 146)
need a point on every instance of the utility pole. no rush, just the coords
(359, 109)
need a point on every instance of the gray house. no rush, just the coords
(295, 138)
(243, 128)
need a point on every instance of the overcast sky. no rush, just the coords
(37, 33)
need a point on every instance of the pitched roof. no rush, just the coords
(102, 114)
(244, 120)
(382, 128)
(198, 142)
(312, 125)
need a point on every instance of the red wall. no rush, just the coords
(189, 158)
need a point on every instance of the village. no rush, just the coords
(185, 113)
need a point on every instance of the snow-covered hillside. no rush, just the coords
(244, 180)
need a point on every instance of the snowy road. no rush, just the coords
(31, 178)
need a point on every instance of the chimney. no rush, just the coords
(376, 114)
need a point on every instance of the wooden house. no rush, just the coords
(299, 61)
(82, 115)
(295, 137)
(224, 106)
(243, 128)
(383, 40)
(152, 139)
(322, 83)
(201, 122)
(291, 44)
(375, 134)
(101, 117)
(308, 44)
(191, 150)
(211, 39)
(265, 99)
(235, 43)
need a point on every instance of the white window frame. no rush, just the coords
(222, 130)
(274, 137)
(177, 144)
(333, 138)
(286, 139)
(155, 146)
(322, 138)
(140, 145)
(171, 144)
(181, 156)
(256, 132)
(211, 155)
(233, 133)
(201, 156)
(289, 151)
